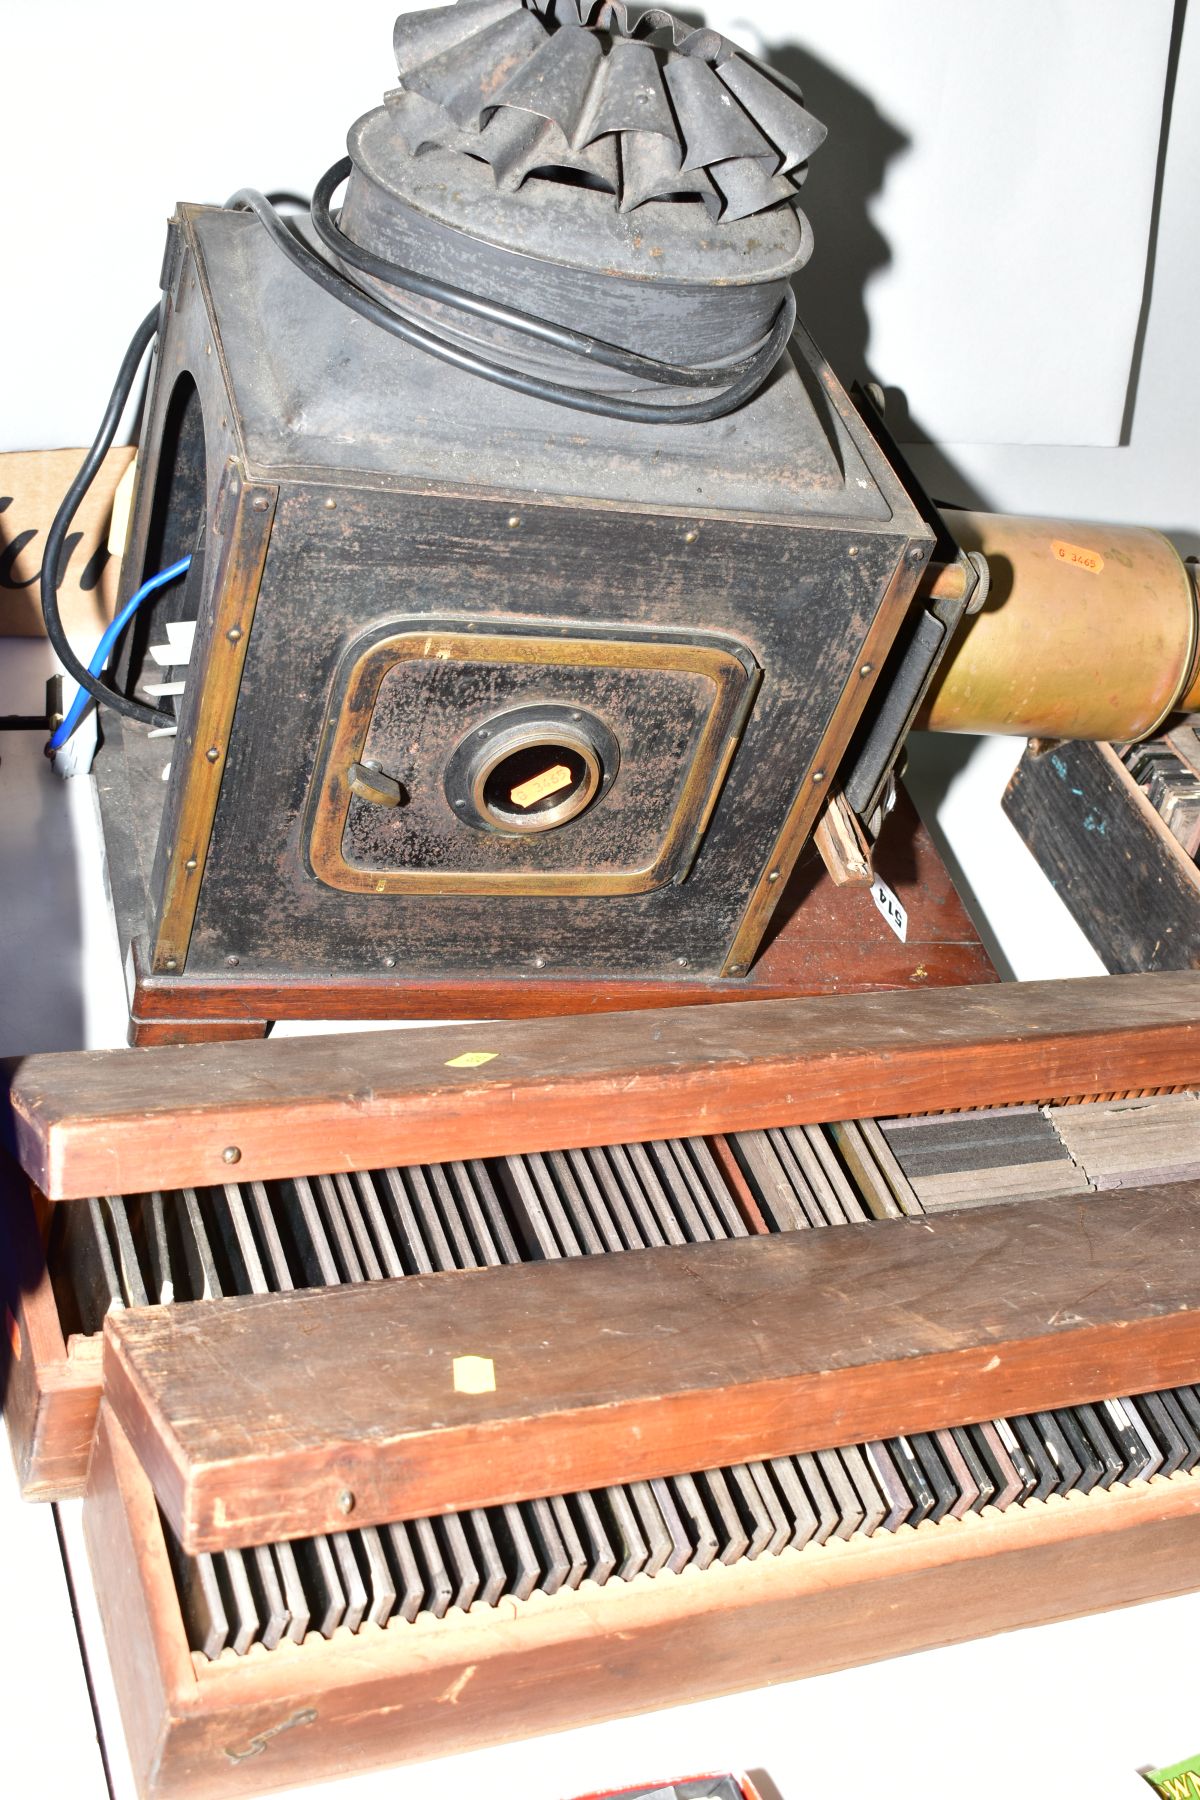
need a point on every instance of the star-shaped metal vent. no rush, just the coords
(641, 107)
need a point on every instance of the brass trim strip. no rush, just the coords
(330, 803)
(245, 533)
(814, 785)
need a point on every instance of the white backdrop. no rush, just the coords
(987, 181)
(113, 112)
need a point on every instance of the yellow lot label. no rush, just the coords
(1077, 556)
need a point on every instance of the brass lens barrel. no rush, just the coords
(1088, 631)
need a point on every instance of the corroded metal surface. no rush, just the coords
(642, 108)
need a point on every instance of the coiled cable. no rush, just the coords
(742, 379)
(56, 538)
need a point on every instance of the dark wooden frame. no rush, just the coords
(1084, 817)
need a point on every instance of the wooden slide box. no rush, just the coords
(112, 1122)
(406, 1693)
(1125, 879)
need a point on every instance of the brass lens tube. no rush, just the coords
(1088, 631)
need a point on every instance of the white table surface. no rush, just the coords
(1075, 1708)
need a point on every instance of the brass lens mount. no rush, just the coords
(530, 769)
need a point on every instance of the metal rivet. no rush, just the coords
(483, 733)
(689, 537)
(514, 520)
(539, 962)
(232, 961)
(259, 503)
(231, 1154)
(867, 669)
(212, 754)
(389, 962)
(191, 864)
(682, 961)
(171, 963)
(331, 504)
(774, 875)
(818, 774)
(345, 1502)
(460, 803)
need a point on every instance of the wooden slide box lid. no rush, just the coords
(284, 1416)
(121, 1121)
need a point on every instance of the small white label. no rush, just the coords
(891, 909)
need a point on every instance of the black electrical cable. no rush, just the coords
(748, 376)
(742, 379)
(64, 517)
(562, 336)
(122, 388)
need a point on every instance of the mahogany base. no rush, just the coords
(823, 940)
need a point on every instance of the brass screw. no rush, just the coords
(259, 503)
(539, 962)
(171, 963)
(191, 865)
(818, 774)
(916, 554)
(345, 1502)
(389, 962)
(514, 520)
(682, 961)
(774, 875)
(689, 537)
(867, 669)
(737, 968)
(331, 504)
(232, 961)
(234, 633)
(853, 550)
(212, 754)
(231, 1154)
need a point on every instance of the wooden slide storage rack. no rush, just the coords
(160, 1119)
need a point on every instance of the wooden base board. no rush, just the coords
(823, 940)
(407, 1693)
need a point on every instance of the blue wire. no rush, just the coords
(103, 649)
